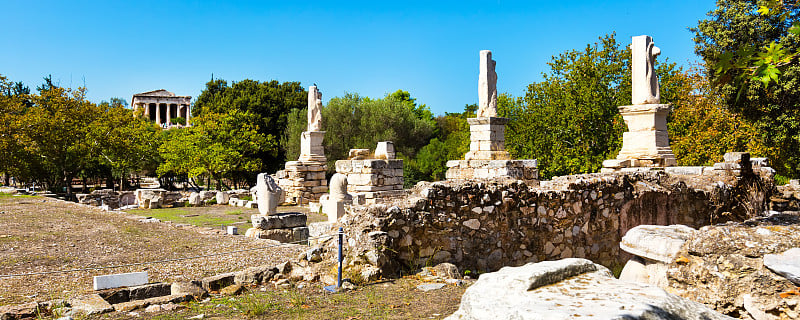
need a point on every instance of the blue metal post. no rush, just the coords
(341, 257)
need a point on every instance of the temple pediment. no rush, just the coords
(156, 93)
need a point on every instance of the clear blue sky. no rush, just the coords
(429, 48)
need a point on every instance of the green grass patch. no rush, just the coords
(181, 215)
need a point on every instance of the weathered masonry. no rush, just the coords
(162, 106)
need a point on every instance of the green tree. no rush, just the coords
(124, 143)
(451, 142)
(55, 129)
(270, 102)
(569, 121)
(702, 130)
(217, 145)
(355, 122)
(742, 40)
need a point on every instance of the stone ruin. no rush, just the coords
(646, 143)
(304, 180)
(269, 224)
(371, 179)
(487, 158)
(483, 226)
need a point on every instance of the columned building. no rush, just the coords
(161, 106)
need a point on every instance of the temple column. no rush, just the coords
(158, 114)
(188, 114)
(169, 114)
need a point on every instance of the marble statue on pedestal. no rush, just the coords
(268, 194)
(644, 81)
(314, 109)
(487, 86)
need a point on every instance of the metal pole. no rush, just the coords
(341, 257)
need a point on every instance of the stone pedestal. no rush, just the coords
(487, 158)
(525, 170)
(487, 139)
(375, 179)
(303, 181)
(284, 227)
(333, 208)
(311, 146)
(646, 143)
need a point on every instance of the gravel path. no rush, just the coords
(41, 234)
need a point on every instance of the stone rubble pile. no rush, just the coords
(571, 289)
(108, 198)
(748, 270)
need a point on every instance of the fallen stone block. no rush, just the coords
(19, 311)
(193, 288)
(660, 243)
(786, 264)
(90, 304)
(217, 282)
(279, 221)
(119, 295)
(141, 304)
(255, 275)
(571, 289)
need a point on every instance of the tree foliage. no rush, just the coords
(217, 145)
(734, 36)
(353, 121)
(569, 121)
(702, 130)
(270, 103)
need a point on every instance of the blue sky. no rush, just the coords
(429, 48)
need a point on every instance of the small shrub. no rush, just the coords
(781, 180)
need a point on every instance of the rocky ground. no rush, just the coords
(723, 266)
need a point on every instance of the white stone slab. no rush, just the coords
(120, 280)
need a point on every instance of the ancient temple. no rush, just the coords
(161, 106)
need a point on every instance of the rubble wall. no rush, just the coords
(482, 227)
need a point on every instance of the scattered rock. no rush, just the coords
(660, 243)
(430, 286)
(786, 264)
(20, 311)
(232, 290)
(569, 289)
(140, 304)
(217, 282)
(90, 304)
(188, 287)
(255, 275)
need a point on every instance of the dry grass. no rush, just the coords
(42, 234)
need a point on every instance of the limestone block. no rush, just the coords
(311, 146)
(571, 289)
(119, 280)
(334, 209)
(194, 199)
(617, 163)
(241, 202)
(786, 264)
(375, 163)
(207, 194)
(659, 243)
(358, 154)
(222, 197)
(684, 170)
(453, 163)
(90, 304)
(344, 166)
(278, 221)
(385, 150)
(634, 271)
(251, 205)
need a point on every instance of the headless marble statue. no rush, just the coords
(314, 109)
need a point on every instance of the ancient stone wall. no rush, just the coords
(303, 181)
(372, 179)
(482, 227)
